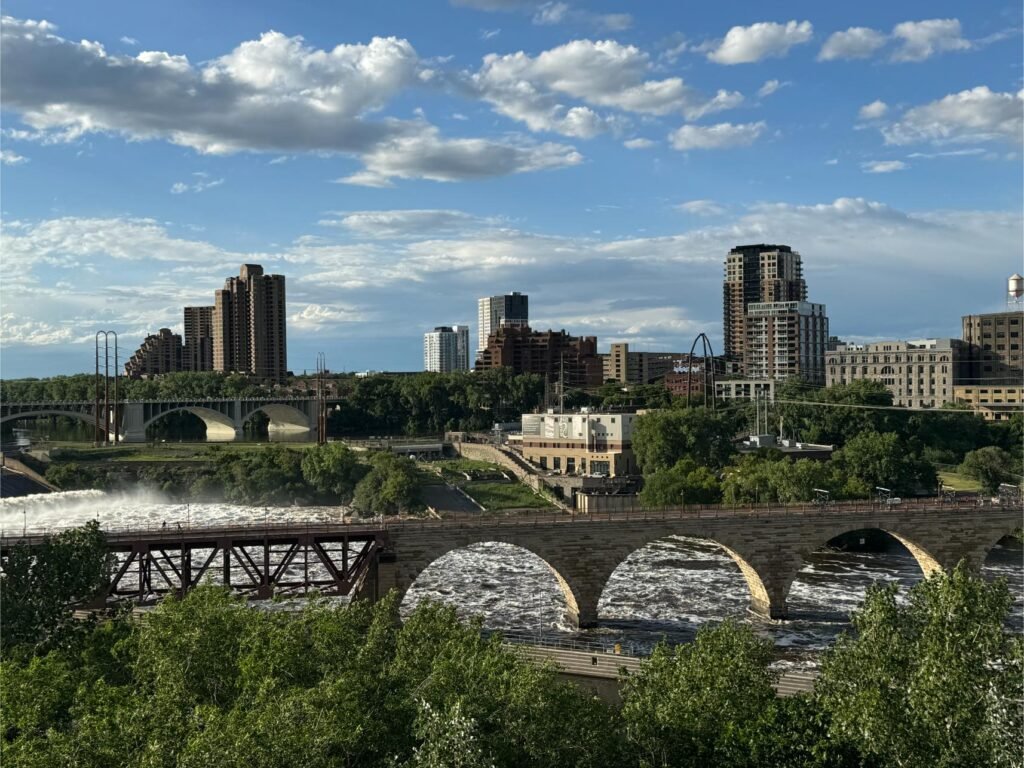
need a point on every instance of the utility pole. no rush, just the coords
(108, 415)
(321, 398)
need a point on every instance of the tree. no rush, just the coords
(991, 466)
(447, 740)
(390, 487)
(333, 468)
(696, 705)
(684, 482)
(831, 424)
(872, 459)
(934, 682)
(661, 438)
(40, 585)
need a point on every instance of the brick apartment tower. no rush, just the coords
(757, 274)
(198, 339)
(249, 325)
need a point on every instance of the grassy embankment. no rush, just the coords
(486, 484)
(958, 482)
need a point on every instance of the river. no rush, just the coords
(667, 589)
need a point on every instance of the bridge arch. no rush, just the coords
(219, 426)
(413, 572)
(284, 417)
(760, 596)
(88, 418)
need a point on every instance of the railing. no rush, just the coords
(514, 519)
(521, 637)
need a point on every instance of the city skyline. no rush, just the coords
(610, 193)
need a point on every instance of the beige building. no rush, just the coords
(159, 353)
(995, 402)
(786, 339)
(580, 443)
(637, 367)
(920, 374)
(249, 334)
(997, 355)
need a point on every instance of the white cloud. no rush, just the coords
(601, 73)
(771, 86)
(969, 117)
(718, 136)
(487, 34)
(745, 45)
(10, 157)
(873, 111)
(405, 223)
(922, 39)
(951, 153)
(883, 166)
(701, 208)
(832, 161)
(129, 40)
(17, 330)
(275, 94)
(559, 13)
(180, 187)
(316, 317)
(638, 143)
(854, 43)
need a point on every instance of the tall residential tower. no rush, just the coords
(494, 312)
(249, 325)
(446, 348)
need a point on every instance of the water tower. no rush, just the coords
(1015, 292)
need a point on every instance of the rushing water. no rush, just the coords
(666, 589)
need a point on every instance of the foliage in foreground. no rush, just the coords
(211, 681)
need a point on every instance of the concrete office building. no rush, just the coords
(494, 312)
(757, 274)
(786, 339)
(555, 355)
(627, 367)
(920, 374)
(198, 339)
(249, 332)
(159, 353)
(993, 401)
(580, 443)
(996, 354)
(446, 348)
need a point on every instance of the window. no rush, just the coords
(556, 462)
(570, 465)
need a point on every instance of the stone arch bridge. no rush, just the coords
(770, 546)
(224, 417)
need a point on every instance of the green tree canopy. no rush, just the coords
(662, 438)
(872, 459)
(934, 682)
(685, 482)
(991, 466)
(334, 469)
(390, 487)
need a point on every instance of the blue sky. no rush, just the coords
(397, 160)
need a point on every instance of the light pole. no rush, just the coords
(682, 498)
(24, 522)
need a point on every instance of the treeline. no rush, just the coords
(381, 404)
(207, 680)
(374, 483)
(689, 455)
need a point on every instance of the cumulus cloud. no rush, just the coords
(10, 157)
(129, 40)
(914, 40)
(854, 43)
(274, 94)
(883, 166)
(316, 317)
(873, 111)
(701, 208)
(922, 39)
(604, 73)
(718, 136)
(972, 116)
(745, 45)
(16, 330)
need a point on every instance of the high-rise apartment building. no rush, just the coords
(757, 274)
(785, 339)
(494, 312)
(555, 355)
(920, 374)
(996, 355)
(159, 353)
(198, 339)
(446, 348)
(249, 334)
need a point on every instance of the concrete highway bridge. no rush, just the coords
(223, 417)
(768, 544)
